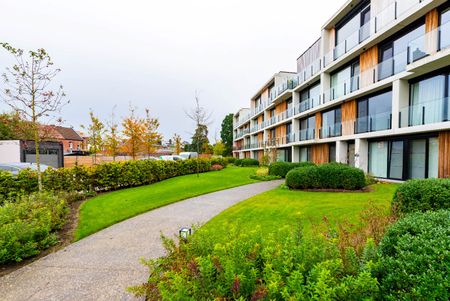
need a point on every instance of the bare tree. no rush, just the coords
(28, 92)
(112, 139)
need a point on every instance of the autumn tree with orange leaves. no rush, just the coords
(151, 136)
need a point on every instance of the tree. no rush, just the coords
(151, 135)
(133, 132)
(219, 148)
(177, 141)
(95, 130)
(112, 139)
(28, 91)
(202, 118)
(12, 126)
(226, 134)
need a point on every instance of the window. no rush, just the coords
(428, 101)
(289, 139)
(307, 128)
(305, 154)
(332, 152)
(396, 54)
(310, 97)
(402, 159)
(374, 113)
(444, 32)
(331, 123)
(345, 81)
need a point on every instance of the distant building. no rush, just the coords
(70, 139)
(15, 151)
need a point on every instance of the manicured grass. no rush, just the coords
(282, 207)
(110, 208)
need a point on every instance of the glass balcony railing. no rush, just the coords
(427, 112)
(308, 104)
(331, 130)
(372, 123)
(307, 134)
(377, 23)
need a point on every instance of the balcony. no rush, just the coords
(381, 21)
(332, 130)
(308, 104)
(372, 123)
(307, 134)
(429, 112)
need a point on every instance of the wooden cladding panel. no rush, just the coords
(431, 24)
(348, 117)
(444, 154)
(280, 108)
(368, 60)
(260, 118)
(260, 137)
(320, 153)
(318, 124)
(280, 131)
(431, 20)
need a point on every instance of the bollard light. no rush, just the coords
(185, 232)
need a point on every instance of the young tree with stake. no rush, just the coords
(28, 91)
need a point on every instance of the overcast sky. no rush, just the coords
(156, 54)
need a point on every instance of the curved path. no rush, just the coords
(103, 265)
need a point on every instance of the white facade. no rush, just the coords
(9, 151)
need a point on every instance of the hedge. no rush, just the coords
(422, 195)
(28, 225)
(246, 162)
(326, 176)
(103, 177)
(281, 169)
(415, 257)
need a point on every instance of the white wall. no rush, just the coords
(9, 151)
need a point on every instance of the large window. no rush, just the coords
(331, 123)
(307, 128)
(310, 97)
(428, 100)
(345, 80)
(397, 53)
(353, 29)
(374, 113)
(305, 154)
(402, 159)
(444, 32)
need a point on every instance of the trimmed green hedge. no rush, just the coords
(415, 258)
(281, 169)
(326, 176)
(246, 162)
(103, 177)
(219, 161)
(422, 195)
(28, 225)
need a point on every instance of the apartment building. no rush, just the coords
(372, 92)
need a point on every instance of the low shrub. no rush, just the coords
(255, 265)
(282, 168)
(422, 195)
(216, 167)
(326, 176)
(262, 174)
(415, 257)
(246, 162)
(28, 225)
(220, 161)
(230, 160)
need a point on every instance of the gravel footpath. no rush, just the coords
(103, 265)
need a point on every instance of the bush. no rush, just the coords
(103, 177)
(230, 160)
(422, 195)
(282, 168)
(246, 162)
(219, 161)
(415, 257)
(216, 167)
(27, 226)
(256, 265)
(326, 176)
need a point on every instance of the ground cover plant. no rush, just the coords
(28, 225)
(109, 208)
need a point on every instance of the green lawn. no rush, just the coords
(280, 207)
(110, 208)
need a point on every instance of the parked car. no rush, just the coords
(14, 168)
(171, 158)
(189, 155)
(149, 158)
